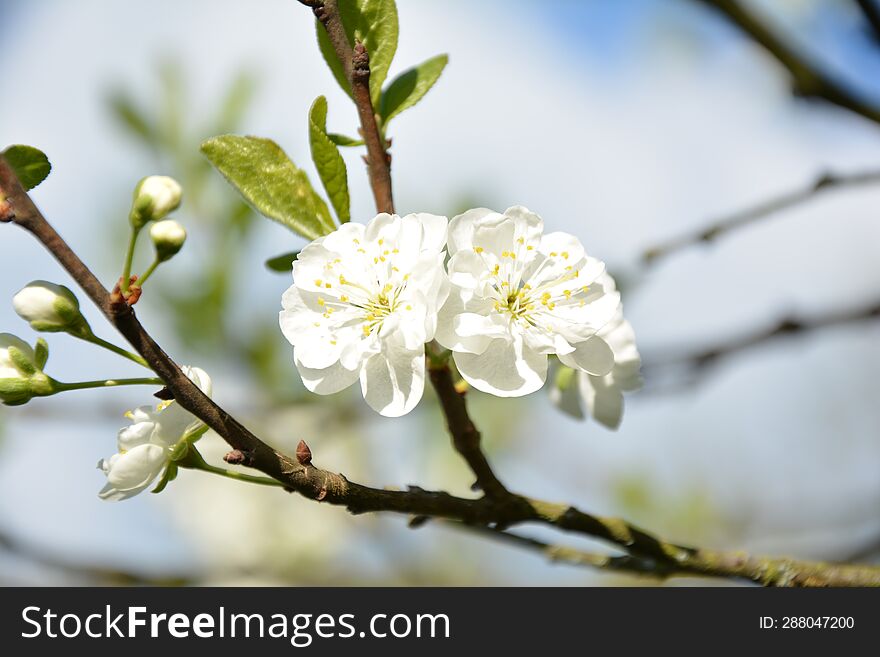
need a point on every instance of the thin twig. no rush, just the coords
(562, 554)
(701, 360)
(808, 80)
(721, 227)
(871, 11)
(355, 62)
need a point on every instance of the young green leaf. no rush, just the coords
(328, 161)
(373, 23)
(282, 263)
(30, 164)
(344, 140)
(263, 174)
(408, 88)
(132, 118)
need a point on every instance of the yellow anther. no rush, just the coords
(408, 307)
(565, 254)
(478, 249)
(320, 301)
(381, 242)
(386, 252)
(333, 342)
(327, 285)
(395, 250)
(319, 282)
(361, 251)
(530, 248)
(342, 280)
(356, 240)
(343, 298)
(567, 294)
(553, 254)
(366, 329)
(521, 240)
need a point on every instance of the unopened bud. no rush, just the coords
(168, 237)
(154, 198)
(51, 308)
(21, 376)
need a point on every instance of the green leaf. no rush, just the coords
(30, 164)
(282, 263)
(409, 87)
(328, 161)
(373, 23)
(132, 118)
(344, 140)
(268, 180)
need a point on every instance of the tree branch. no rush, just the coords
(356, 64)
(871, 12)
(701, 360)
(721, 227)
(465, 436)
(807, 80)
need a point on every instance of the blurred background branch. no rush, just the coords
(693, 364)
(808, 79)
(721, 227)
(871, 11)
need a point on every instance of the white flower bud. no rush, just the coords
(168, 237)
(50, 307)
(21, 376)
(154, 198)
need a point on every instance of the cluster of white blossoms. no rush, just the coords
(366, 299)
(146, 446)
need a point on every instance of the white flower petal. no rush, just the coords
(604, 402)
(505, 369)
(593, 356)
(461, 229)
(328, 380)
(135, 434)
(133, 471)
(393, 381)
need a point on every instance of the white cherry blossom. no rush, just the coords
(145, 446)
(519, 295)
(602, 396)
(362, 306)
